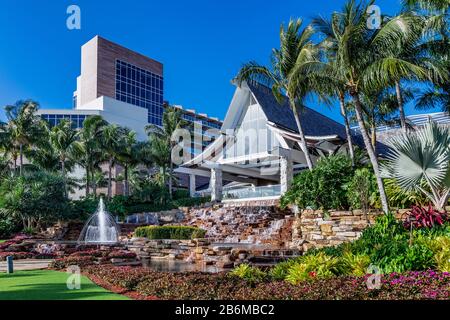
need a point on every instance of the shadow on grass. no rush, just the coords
(49, 285)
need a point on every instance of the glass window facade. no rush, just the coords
(204, 122)
(54, 119)
(252, 135)
(140, 88)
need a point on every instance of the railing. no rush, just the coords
(252, 192)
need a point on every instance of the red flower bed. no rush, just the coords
(16, 255)
(200, 286)
(63, 263)
(89, 253)
(121, 254)
(119, 290)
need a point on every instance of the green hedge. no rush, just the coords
(190, 202)
(123, 206)
(170, 232)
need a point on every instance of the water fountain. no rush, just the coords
(100, 228)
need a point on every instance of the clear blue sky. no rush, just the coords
(202, 43)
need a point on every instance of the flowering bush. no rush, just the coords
(420, 217)
(38, 255)
(121, 254)
(89, 253)
(15, 255)
(81, 261)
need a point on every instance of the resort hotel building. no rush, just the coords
(125, 88)
(253, 154)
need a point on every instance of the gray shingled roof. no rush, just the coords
(313, 122)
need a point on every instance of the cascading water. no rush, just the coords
(100, 228)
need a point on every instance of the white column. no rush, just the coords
(192, 185)
(216, 184)
(286, 174)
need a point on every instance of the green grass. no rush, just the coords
(1, 241)
(49, 285)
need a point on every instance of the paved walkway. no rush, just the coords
(28, 264)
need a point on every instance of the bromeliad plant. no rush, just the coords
(420, 217)
(421, 158)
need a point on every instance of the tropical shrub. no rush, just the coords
(127, 205)
(391, 248)
(420, 217)
(248, 273)
(35, 198)
(281, 269)
(440, 247)
(322, 187)
(362, 190)
(190, 202)
(354, 264)
(400, 198)
(169, 232)
(313, 266)
(8, 226)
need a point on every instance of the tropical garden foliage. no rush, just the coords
(370, 71)
(35, 191)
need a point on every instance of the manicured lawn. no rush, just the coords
(49, 285)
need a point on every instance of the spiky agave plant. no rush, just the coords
(422, 157)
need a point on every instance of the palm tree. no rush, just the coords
(288, 72)
(162, 143)
(63, 138)
(87, 149)
(128, 155)
(44, 156)
(23, 125)
(366, 59)
(9, 149)
(437, 48)
(429, 5)
(380, 107)
(419, 51)
(111, 144)
(422, 158)
(334, 87)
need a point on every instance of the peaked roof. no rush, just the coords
(314, 123)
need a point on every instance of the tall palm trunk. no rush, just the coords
(63, 173)
(398, 91)
(88, 180)
(370, 151)
(170, 179)
(373, 133)
(126, 190)
(110, 178)
(21, 158)
(302, 137)
(347, 127)
(94, 187)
